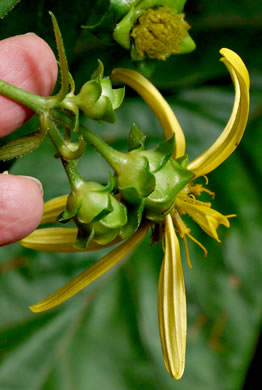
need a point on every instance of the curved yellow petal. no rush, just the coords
(156, 102)
(206, 217)
(53, 208)
(234, 130)
(93, 272)
(172, 305)
(59, 240)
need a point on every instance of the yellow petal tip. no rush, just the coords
(237, 63)
(34, 309)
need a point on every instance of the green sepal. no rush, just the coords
(136, 139)
(115, 96)
(122, 30)
(89, 94)
(140, 184)
(87, 201)
(183, 161)
(21, 146)
(121, 7)
(170, 180)
(66, 215)
(134, 218)
(118, 97)
(117, 218)
(103, 235)
(159, 156)
(111, 184)
(99, 72)
(187, 45)
(166, 148)
(107, 210)
(100, 206)
(84, 239)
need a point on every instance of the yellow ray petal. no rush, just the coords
(93, 272)
(59, 240)
(172, 305)
(206, 217)
(156, 102)
(53, 208)
(234, 130)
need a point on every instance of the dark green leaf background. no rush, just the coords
(107, 336)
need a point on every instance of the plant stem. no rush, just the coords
(55, 136)
(112, 156)
(28, 99)
(73, 175)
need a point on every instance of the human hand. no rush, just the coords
(26, 61)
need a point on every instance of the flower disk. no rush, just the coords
(159, 33)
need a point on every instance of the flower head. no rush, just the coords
(172, 299)
(154, 29)
(159, 33)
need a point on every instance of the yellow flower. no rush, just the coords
(171, 295)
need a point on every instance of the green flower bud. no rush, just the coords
(170, 176)
(170, 180)
(97, 99)
(147, 180)
(98, 215)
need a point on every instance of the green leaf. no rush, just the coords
(21, 146)
(6, 6)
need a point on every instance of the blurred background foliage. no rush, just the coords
(107, 336)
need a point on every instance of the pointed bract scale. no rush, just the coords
(159, 156)
(140, 184)
(118, 217)
(183, 161)
(99, 72)
(134, 219)
(67, 215)
(111, 184)
(136, 139)
(83, 240)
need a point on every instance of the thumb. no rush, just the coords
(21, 207)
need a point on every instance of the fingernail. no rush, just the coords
(30, 33)
(37, 182)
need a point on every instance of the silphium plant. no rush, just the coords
(151, 204)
